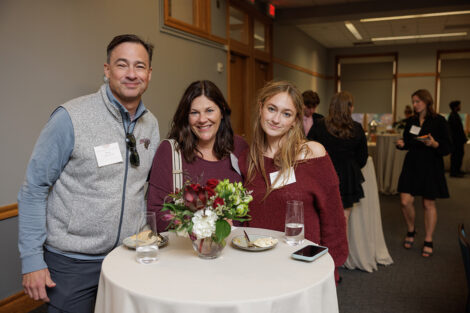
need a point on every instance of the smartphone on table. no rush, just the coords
(309, 253)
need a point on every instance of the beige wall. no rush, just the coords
(295, 47)
(412, 59)
(455, 81)
(54, 50)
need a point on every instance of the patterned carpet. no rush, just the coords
(414, 284)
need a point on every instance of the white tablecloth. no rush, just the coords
(237, 281)
(389, 161)
(367, 246)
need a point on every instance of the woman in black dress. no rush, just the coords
(427, 139)
(346, 143)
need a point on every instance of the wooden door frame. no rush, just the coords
(394, 80)
(437, 93)
(250, 53)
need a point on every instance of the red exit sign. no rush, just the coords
(271, 10)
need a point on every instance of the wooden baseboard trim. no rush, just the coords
(19, 303)
(8, 211)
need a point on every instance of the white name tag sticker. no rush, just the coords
(415, 130)
(108, 154)
(234, 161)
(282, 181)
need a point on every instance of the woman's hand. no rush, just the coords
(431, 142)
(400, 143)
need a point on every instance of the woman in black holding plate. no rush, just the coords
(427, 139)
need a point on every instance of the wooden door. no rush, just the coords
(238, 92)
(261, 75)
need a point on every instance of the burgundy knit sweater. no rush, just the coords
(317, 186)
(161, 180)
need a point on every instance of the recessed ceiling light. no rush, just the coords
(353, 30)
(419, 36)
(378, 19)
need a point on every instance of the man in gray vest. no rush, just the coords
(85, 181)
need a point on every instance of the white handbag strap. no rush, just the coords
(177, 165)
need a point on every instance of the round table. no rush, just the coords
(237, 281)
(389, 163)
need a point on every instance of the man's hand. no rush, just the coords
(35, 283)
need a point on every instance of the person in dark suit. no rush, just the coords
(311, 102)
(459, 138)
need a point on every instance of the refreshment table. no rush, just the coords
(237, 281)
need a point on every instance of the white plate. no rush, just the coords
(130, 242)
(423, 139)
(241, 243)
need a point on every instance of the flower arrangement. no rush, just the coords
(200, 212)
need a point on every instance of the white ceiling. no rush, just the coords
(323, 20)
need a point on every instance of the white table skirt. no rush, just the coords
(237, 281)
(367, 246)
(389, 162)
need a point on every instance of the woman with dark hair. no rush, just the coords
(203, 134)
(427, 139)
(282, 165)
(346, 143)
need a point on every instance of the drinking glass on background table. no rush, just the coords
(146, 245)
(294, 231)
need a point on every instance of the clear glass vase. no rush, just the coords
(207, 248)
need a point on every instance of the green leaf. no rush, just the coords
(222, 230)
(169, 206)
(242, 219)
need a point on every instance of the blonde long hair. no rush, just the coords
(293, 141)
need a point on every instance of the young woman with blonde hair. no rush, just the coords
(304, 172)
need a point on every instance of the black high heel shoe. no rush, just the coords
(407, 244)
(427, 254)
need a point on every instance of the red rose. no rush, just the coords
(210, 191)
(218, 201)
(195, 187)
(212, 183)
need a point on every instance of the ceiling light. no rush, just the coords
(378, 19)
(419, 36)
(353, 30)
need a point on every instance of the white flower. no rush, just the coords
(179, 201)
(204, 223)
